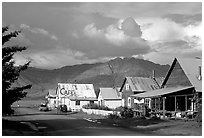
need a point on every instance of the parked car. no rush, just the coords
(63, 108)
(44, 107)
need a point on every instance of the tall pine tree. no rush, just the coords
(10, 72)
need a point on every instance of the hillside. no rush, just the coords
(99, 74)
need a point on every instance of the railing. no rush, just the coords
(98, 112)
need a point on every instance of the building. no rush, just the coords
(109, 97)
(136, 85)
(51, 98)
(75, 95)
(182, 83)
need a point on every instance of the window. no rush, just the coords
(77, 102)
(127, 87)
(91, 102)
(129, 101)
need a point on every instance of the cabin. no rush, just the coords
(182, 83)
(51, 98)
(109, 97)
(74, 96)
(136, 85)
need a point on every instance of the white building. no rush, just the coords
(51, 98)
(109, 97)
(75, 95)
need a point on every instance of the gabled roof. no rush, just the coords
(109, 93)
(191, 70)
(142, 84)
(76, 90)
(161, 92)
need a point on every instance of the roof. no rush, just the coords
(142, 84)
(160, 92)
(191, 70)
(76, 90)
(190, 67)
(109, 93)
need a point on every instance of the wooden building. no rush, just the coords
(109, 97)
(74, 96)
(136, 85)
(182, 83)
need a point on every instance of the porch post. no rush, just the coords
(175, 104)
(164, 106)
(186, 103)
(159, 107)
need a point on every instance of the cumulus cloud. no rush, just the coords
(116, 40)
(162, 30)
(131, 28)
(38, 31)
(119, 34)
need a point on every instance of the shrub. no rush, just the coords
(96, 106)
(126, 112)
(198, 117)
(113, 116)
(91, 106)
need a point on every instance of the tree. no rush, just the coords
(10, 72)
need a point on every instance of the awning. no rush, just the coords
(160, 92)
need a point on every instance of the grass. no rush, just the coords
(15, 128)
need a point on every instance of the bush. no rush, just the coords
(113, 116)
(96, 106)
(198, 117)
(91, 106)
(126, 112)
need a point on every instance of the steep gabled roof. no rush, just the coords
(109, 93)
(142, 84)
(191, 70)
(76, 90)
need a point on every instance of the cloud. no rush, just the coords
(99, 31)
(131, 28)
(162, 30)
(140, 9)
(112, 41)
(38, 31)
(53, 58)
(185, 19)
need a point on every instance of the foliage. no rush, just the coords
(198, 117)
(113, 116)
(96, 106)
(125, 112)
(10, 72)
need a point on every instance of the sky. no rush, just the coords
(69, 33)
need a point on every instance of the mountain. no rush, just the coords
(105, 74)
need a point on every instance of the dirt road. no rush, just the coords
(72, 124)
(29, 121)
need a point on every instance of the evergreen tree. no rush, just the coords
(10, 72)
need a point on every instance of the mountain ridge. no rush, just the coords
(107, 74)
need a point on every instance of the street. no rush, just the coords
(71, 124)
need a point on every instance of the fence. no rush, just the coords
(98, 112)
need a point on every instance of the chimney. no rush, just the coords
(199, 73)
(153, 74)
